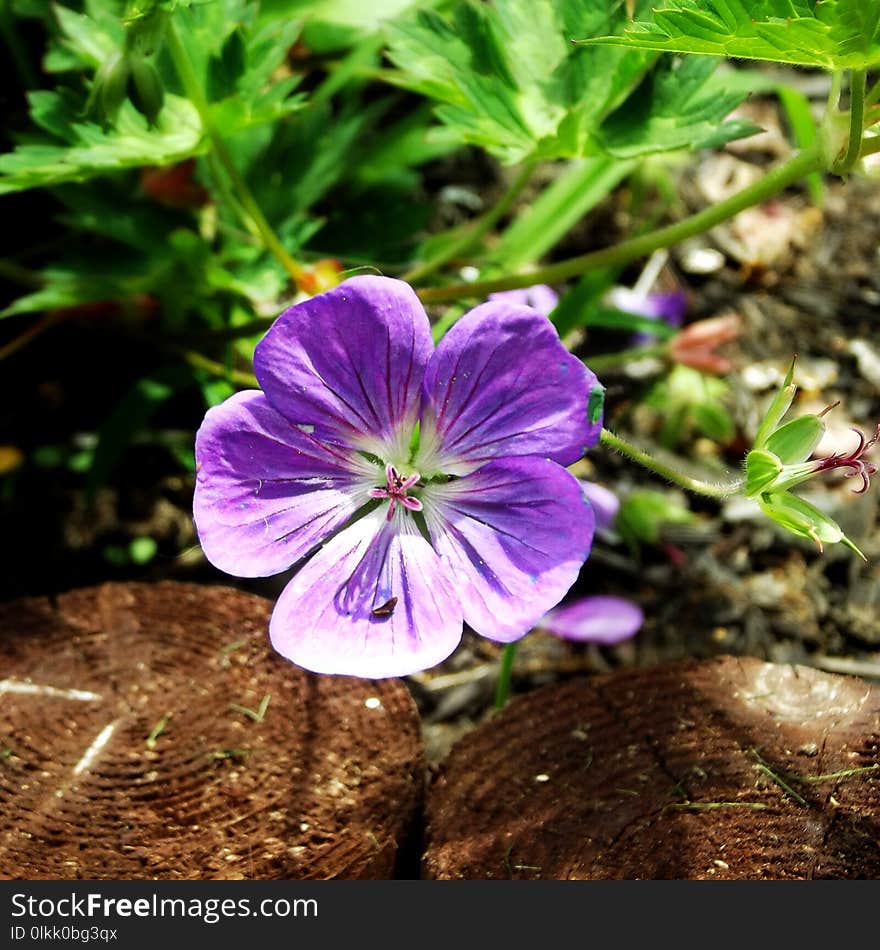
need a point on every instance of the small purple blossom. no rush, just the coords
(602, 619)
(669, 307)
(415, 489)
(539, 297)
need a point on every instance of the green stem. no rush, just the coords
(502, 689)
(874, 94)
(856, 122)
(696, 485)
(480, 227)
(253, 214)
(197, 360)
(606, 361)
(797, 167)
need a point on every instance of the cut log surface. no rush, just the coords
(148, 731)
(727, 768)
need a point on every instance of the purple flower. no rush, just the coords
(602, 620)
(415, 488)
(668, 307)
(539, 297)
(605, 503)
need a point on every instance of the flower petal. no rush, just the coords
(338, 614)
(603, 620)
(605, 503)
(513, 535)
(350, 363)
(266, 492)
(539, 297)
(501, 384)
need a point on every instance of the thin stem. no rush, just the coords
(606, 361)
(32, 332)
(197, 360)
(797, 167)
(502, 689)
(696, 485)
(873, 95)
(480, 227)
(856, 122)
(21, 275)
(252, 213)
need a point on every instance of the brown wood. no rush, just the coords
(678, 771)
(189, 784)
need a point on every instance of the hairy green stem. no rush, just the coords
(856, 122)
(479, 228)
(696, 485)
(799, 166)
(502, 689)
(246, 200)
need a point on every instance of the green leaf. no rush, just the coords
(557, 209)
(96, 151)
(507, 77)
(128, 417)
(832, 34)
(679, 105)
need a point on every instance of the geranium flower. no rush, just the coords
(415, 488)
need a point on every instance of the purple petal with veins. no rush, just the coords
(376, 601)
(266, 492)
(513, 535)
(350, 363)
(501, 384)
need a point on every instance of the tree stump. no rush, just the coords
(727, 768)
(149, 731)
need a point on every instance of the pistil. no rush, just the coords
(396, 490)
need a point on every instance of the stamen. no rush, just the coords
(396, 491)
(854, 461)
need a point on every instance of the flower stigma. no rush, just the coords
(396, 489)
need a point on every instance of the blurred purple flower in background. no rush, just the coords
(605, 503)
(539, 297)
(669, 307)
(415, 488)
(602, 620)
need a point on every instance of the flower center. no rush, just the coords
(396, 489)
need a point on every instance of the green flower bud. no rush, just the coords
(796, 440)
(146, 90)
(778, 408)
(762, 470)
(111, 85)
(805, 520)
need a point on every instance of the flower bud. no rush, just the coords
(796, 441)
(146, 91)
(111, 85)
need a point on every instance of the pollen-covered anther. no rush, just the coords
(854, 461)
(396, 490)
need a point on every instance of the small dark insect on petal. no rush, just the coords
(386, 609)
